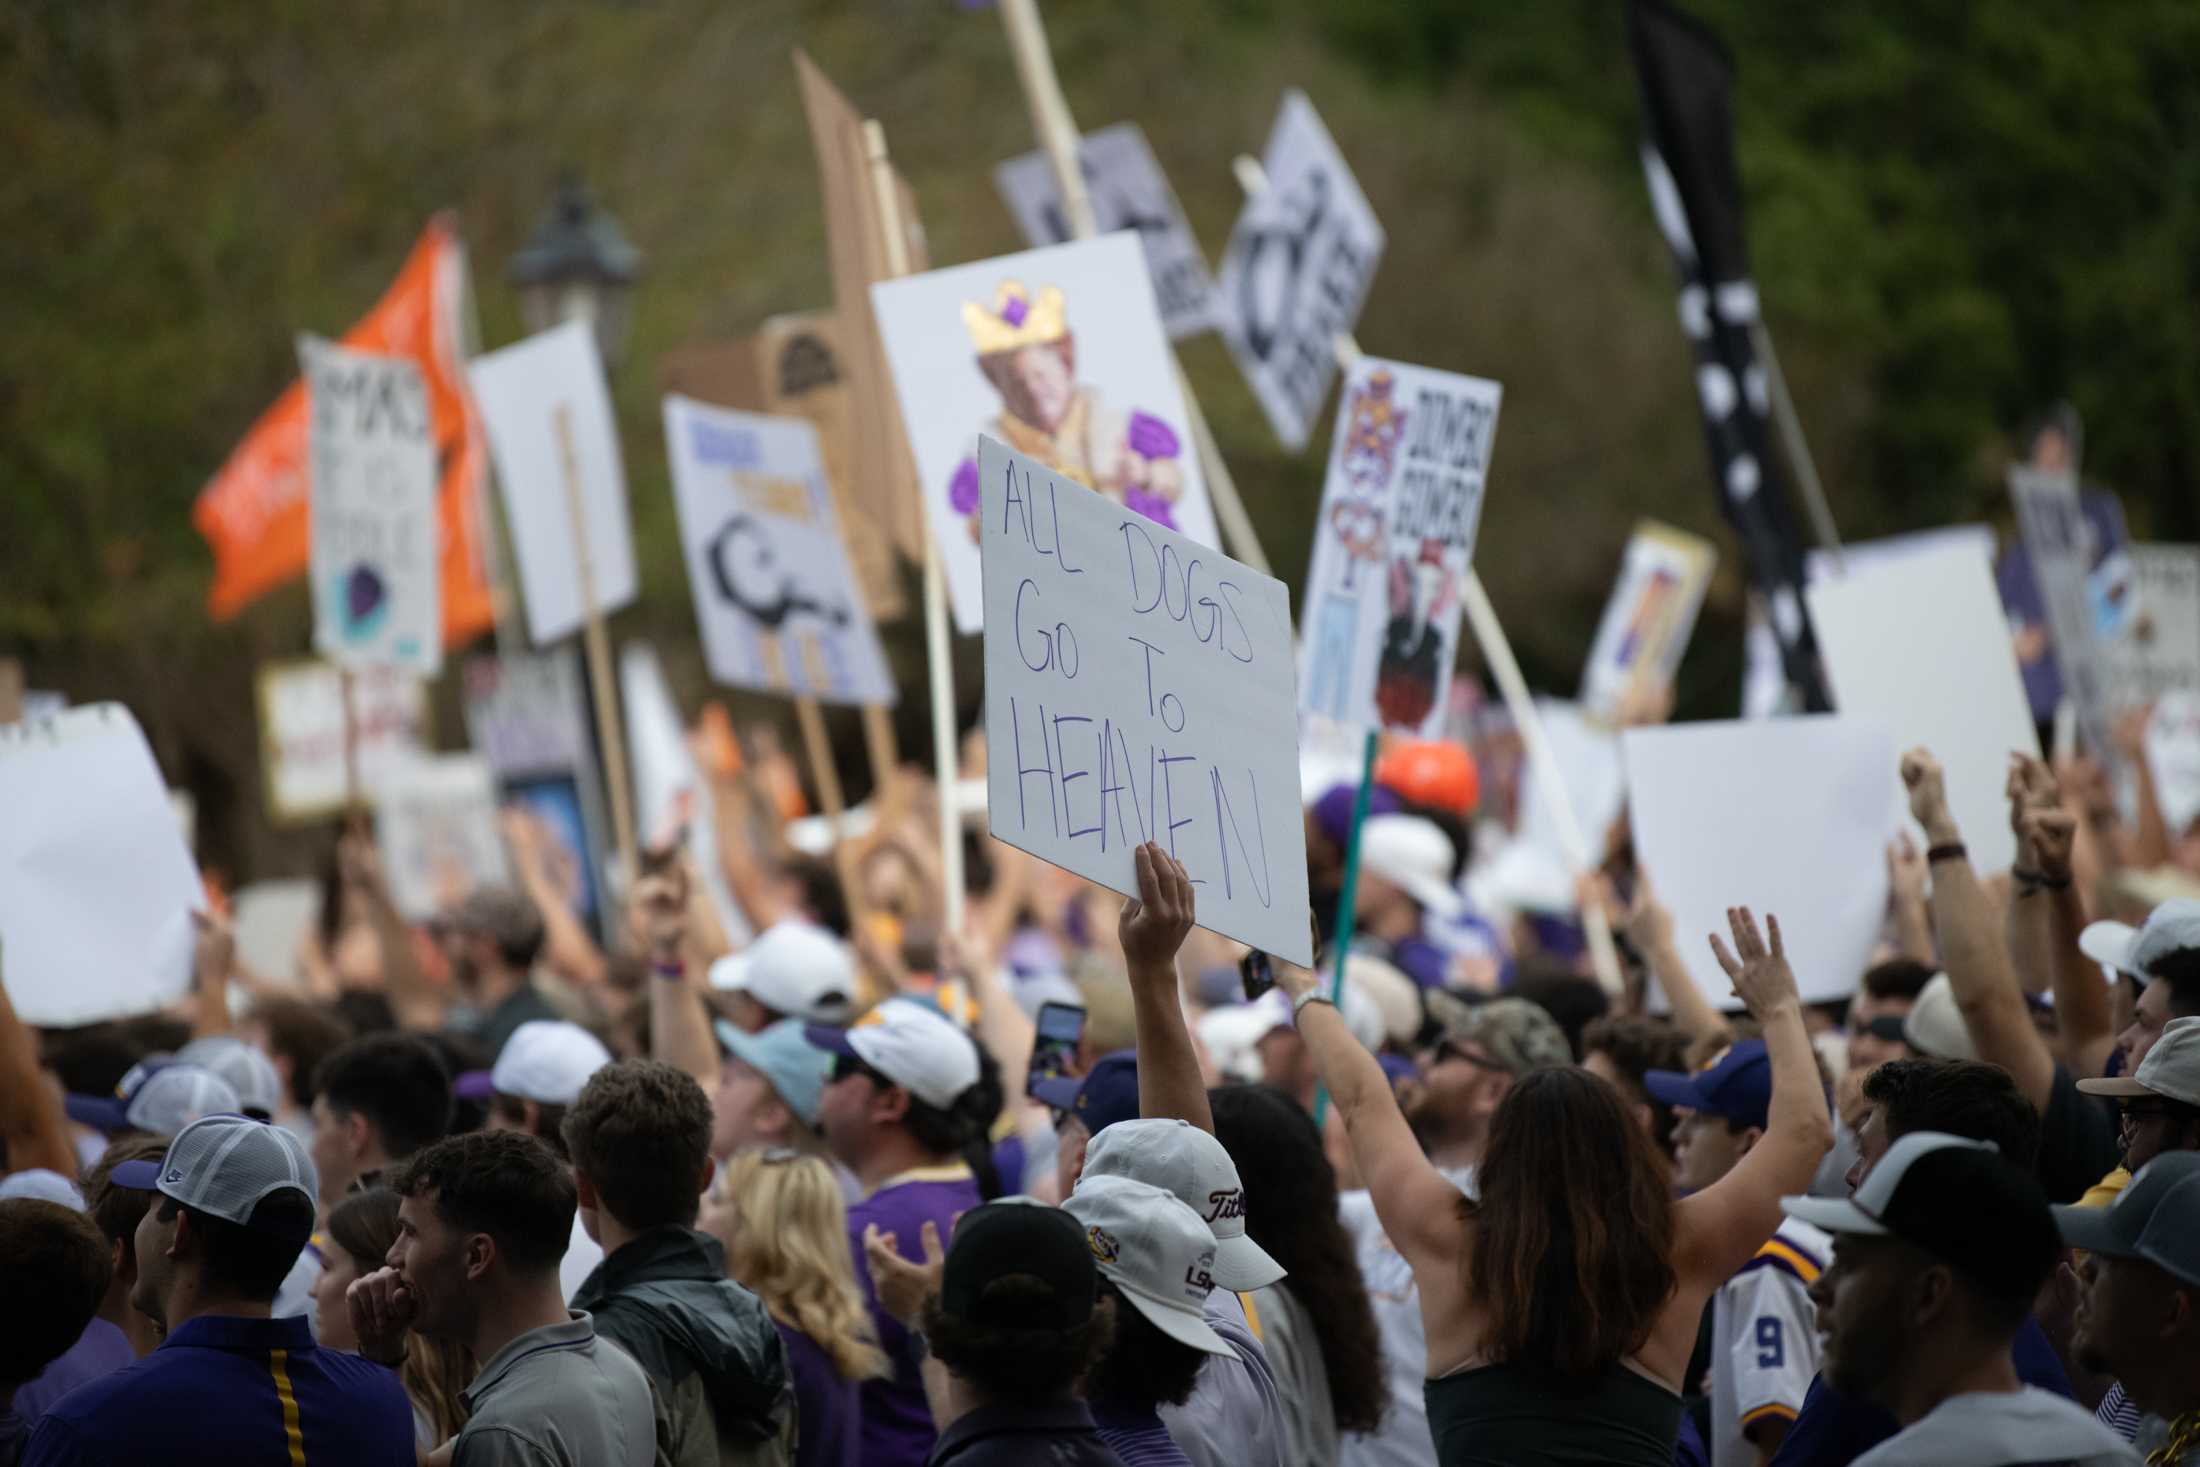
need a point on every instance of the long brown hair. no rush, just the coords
(1573, 1235)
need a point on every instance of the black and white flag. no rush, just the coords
(1688, 157)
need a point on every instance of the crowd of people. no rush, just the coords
(488, 1191)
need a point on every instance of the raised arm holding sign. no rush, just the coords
(1139, 687)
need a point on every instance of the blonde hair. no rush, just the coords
(435, 1372)
(790, 1245)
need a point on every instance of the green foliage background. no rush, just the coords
(1959, 213)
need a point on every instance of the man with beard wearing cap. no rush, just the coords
(1937, 1259)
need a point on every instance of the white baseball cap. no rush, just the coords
(1362, 1014)
(917, 1048)
(1414, 855)
(224, 1165)
(1156, 1252)
(796, 969)
(1935, 1026)
(1192, 1166)
(250, 1073)
(2172, 926)
(159, 1095)
(546, 1061)
(2171, 1068)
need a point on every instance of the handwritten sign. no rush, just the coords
(1128, 190)
(2159, 650)
(1296, 270)
(525, 712)
(302, 722)
(775, 594)
(1400, 508)
(377, 597)
(2060, 542)
(549, 416)
(437, 828)
(1139, 687)
(1646, 624)
(96, 885)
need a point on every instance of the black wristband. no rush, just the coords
(1953, 851)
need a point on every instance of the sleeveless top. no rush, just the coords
(1512, 1416)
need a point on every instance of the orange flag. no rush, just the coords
(254, 513)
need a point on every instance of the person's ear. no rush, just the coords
(531, 1117)
(1930, 1293)
(1750, 1137)
(1645, 1117)
(184, 1237)
(889, 1105)
(358, 1132)
(481, 1254)
(710, 1170)
(122, 1259)
(585, 1189)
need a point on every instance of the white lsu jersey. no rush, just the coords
(1764, 1340)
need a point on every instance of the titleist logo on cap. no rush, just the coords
(1222, 1205)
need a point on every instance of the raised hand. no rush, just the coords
(1906, 870)
(382, 1310)
(658, 911)
(213, 947)
(2049, 835)
(903, 1286)
(2129, 732)
(1922, 777)
(1155, 923)
(1762, 979)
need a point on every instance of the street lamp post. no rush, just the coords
(578, 266)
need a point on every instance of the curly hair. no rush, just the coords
(789, 1244)
(640, 1133)
(1572, 1245)
(1143, 1366)
(58, 1269)
(503, 1183)
(1291, 1211)
(1021, 1365)
(1637, 1044)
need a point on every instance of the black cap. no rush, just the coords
(1019, 1240)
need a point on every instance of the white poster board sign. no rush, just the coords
(437, 827)
(96, 885)
(1296, 270)
(1919, 644)
(548, 413)
(1789, 816)
(666, 781)
(2158, 650)
(1058, 353)
(1586, 756)
(1128, 190)
(1400, 507)
(2173, 753)
(302, 721)
(1646, 624)
(2061, 543)
(1140, 686)
(377, 590)
(775, 594)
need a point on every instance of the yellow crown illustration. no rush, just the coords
(1016, 320)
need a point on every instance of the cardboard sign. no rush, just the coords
(2159, 650)
(96, 885)
(437, 827)
(371, 441)
(2109, 590)
(1057, 353)
(775, 596)
(549, 416)
(1139, 686)
(526, 713)
(2173, 753)
(797, 367)
(1585, 756)
(1128, 191)
(2059, 542)
(1919, 645)
(858, 233)
(1789, 816)
(1400, 508)
(1296, 270)
(1645, 628)
(302, 729)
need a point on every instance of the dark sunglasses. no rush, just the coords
(1450, 1051)
(845, 1065)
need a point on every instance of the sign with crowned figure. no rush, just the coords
(1058, 353)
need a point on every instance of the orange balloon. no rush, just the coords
(1430, 772)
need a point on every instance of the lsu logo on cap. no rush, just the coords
(1198, 1282)
(1221, 1205)
(1104, 1247)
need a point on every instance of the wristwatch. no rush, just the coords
(1312, 995)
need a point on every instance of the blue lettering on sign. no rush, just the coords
(723, 447)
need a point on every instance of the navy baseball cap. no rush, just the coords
(1738, 1087)
(1106, 1094)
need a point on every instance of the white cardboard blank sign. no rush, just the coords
(96, 885)
(1789, 816)
(1920, 644)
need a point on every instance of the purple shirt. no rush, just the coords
(828, 1408)
(101, 1350)
(897, 1424)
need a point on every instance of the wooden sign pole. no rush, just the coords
(938, 646)
(603, 689)
(1058, 135)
